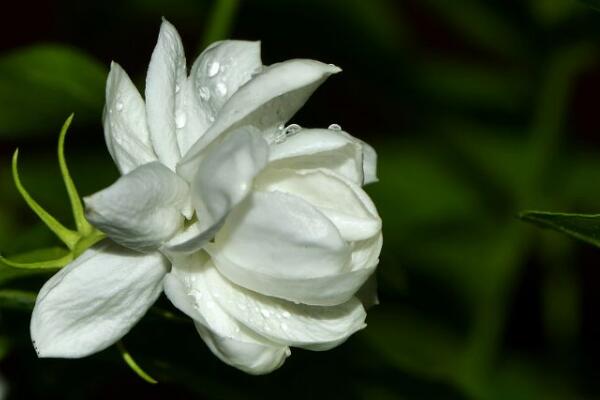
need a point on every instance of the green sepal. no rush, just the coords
(83, 226)
(67, 236)
(133, 365)
(584, 227)
(43, 264)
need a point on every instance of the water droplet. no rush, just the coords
(213, 69)
(180, 119)
(204, 93)
(335, 127)
(292, 129)
(288, 352)
(119, 106)
(265, 313)
(211, 119)
(221, 89)
(281, 127)
(177, 88)
(286, 314)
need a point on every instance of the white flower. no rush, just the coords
(261, 234)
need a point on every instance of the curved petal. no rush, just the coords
(313, 327)
(166, 76)
(124, 120)
(279, 245)
(369, 163)
(224, 178)
(94, 301)
(282, 235)
(320, 148)
(269, 99)
(216, 74)
(342, 201)
(142, 209)
(232, 342)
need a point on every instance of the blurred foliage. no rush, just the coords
(478, 109)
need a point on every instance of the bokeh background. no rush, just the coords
(478, 109)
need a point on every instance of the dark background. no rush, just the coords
(478, 109)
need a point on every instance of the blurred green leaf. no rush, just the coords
(595, 4)
(480, 87)
(482, 24)
(220, 21)
(584, 227)
(17, 299)
(41, 84)
(411, 342)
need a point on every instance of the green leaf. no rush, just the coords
(133, 365)
(17, 299)
(40, 84)
(220, 21)
(83, 226)
(584, 227)
(68, 237)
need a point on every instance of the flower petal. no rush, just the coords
(232, 342)
(224, 178)
(215, 76)
(283, 322)
(342, 201)
(279, 245)
(282, 235)
(320, 148)
(166, 76)
(94, 301)
(142, 209)
(124, 120)
(266, 101)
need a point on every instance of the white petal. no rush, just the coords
(282, 235)
(166, 75)
(342, 201)
(232, 342)
(266, 101)
(314, 327)
(279, 245)
(369, 163)
(94, 301)
(142, 209)
(224, 178)
(215, 76)
(124, 120)
(320, 148)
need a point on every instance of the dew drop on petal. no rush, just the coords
(177, 88)
(292, 129)
(221, 89)
(204, 93)
(335, 127)
(180, 119)
(211, 119)
(288, 352)
(286, 314)
(265, 313)
(119, 106)
(213, 69)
